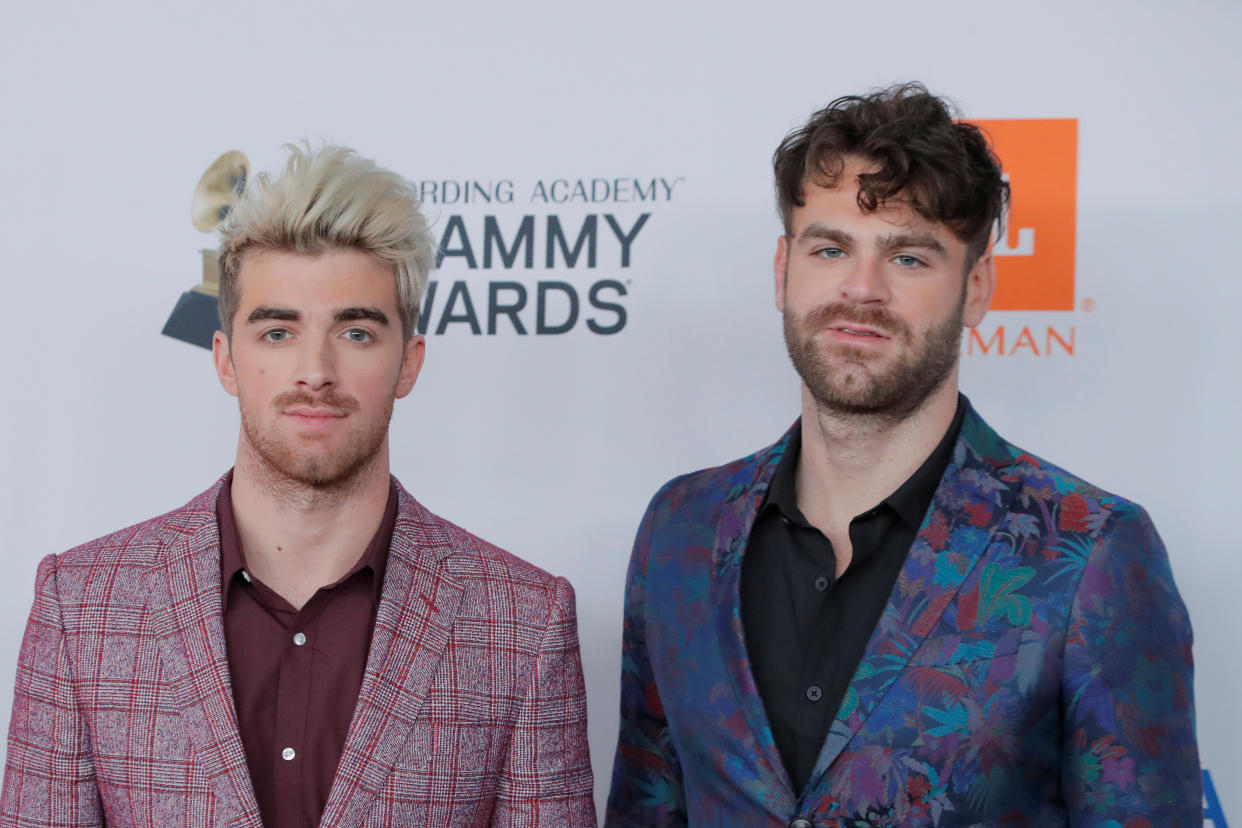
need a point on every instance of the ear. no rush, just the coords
(980, 283)
(223, 359)
(780, 266)
(411, 364)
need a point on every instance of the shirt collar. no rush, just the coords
(911, 499)
(233, 559)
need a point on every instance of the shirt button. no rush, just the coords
(814, 694)
(299, 639)
(821, 583)
(801, 823)
(288, 753)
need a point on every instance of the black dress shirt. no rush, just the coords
(805, 628)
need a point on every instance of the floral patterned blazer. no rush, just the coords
(1032, 665)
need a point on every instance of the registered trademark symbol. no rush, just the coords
(1088, 305)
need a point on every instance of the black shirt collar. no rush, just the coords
(911, 499)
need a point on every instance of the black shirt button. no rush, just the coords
(821, 583)
(814, 694)
(801, 823)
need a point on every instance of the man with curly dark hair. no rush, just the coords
(892, 616)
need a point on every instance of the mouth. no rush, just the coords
(853, 332)
(312, 418)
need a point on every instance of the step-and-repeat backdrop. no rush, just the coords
(599, 180)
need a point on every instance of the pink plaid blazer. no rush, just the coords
(472, 710)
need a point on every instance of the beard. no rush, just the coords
(289, 464)
(850, 381)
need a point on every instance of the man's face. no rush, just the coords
(874, 303)
(316, 359)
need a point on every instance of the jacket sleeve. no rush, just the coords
(49, 774)
(547, 775)
(647, 788)
(1129, 739)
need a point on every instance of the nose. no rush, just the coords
(866, 282)
(316, 366)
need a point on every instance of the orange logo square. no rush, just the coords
(1035, 258)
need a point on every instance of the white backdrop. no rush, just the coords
(550, 445)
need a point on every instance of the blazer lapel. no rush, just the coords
(413, 624)
(184, 598)
(737, 516)
(970, 504)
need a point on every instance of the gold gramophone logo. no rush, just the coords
(196, 318)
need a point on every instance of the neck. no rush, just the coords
(850, 463)
(298, 538)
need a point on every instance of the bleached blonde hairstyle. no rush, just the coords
(325, 200)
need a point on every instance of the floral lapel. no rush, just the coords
(970, 504)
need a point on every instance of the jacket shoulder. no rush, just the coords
(480, 565)
(108, 567)
(139, 544)
(1031, 477)
(716, 484)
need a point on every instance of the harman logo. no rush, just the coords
(1035, 257)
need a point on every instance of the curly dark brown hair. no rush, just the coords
(942, 168)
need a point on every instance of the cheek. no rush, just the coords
(929, 303)
(372, 380)
(804, 291)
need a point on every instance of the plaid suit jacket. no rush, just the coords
(472, 710)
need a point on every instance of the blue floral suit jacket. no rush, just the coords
(1032, 665)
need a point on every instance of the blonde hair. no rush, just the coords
(330, 199)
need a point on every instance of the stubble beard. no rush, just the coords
(845, 381)
(290, 469)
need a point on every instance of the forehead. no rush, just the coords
(839, 203)
(335, 277)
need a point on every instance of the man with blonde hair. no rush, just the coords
(304, 643)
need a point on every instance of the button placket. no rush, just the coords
(292, 706)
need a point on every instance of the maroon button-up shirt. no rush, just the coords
(296, 673)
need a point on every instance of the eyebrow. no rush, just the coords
(893, 241)
(268, 312)
(354, 314)
(819, 231)
(264, 312)
(925, 241)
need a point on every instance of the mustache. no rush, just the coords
(881, 319)
(328, 399)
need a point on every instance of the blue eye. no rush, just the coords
(358, 335)
(276, 335)
(908, 261)
(830, 252)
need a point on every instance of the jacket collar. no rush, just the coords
(974, 482)
(418, 605)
